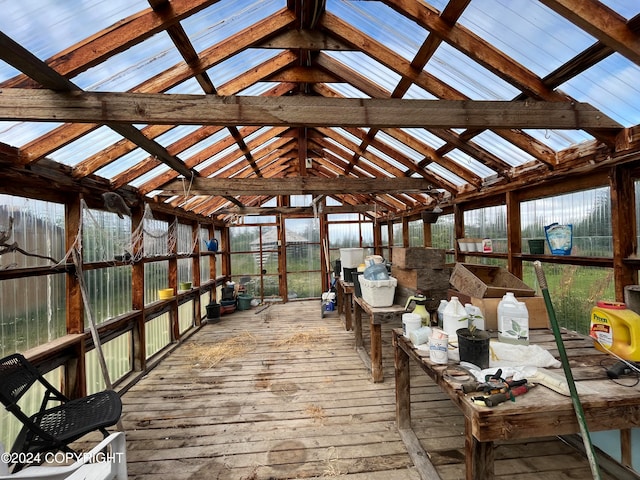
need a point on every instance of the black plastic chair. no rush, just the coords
(60, 421)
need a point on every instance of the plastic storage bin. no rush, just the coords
(378, 293)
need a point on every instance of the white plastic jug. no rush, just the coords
(454, 317)
(441, 307)
(513, 320)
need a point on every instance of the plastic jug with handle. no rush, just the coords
(454, 317)
(420, 308)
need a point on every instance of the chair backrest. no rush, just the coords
(105, 461)
(16, 377)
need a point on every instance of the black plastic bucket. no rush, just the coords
(213, 311)
(348, 274)
(356, 283)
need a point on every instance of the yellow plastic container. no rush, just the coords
(616, 329)
(165, 294)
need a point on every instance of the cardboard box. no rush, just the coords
(418, 257)
(424, 279)
(487, 281)
(538, 316)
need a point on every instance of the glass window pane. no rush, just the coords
(588, 211)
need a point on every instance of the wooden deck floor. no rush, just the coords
(293, 400)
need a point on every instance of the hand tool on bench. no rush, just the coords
(492, 384)
(510, 394)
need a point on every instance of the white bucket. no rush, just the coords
(351, 257)
(410, 322)
(439, 350)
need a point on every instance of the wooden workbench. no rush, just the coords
(539, 413)
(377, 316)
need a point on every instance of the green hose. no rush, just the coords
(577, 406)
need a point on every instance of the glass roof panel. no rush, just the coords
(559, 139)
(259, 88)
(624, 7)
(123, 164)
(425, 136)
(446, 174)
(87, 145)
(150, 175)
(225, 18)
(502, 149)
(232, 151)
(470, 163)
(391, 161)
(46, 28)
(204, 144)
(610, 86)
(380, 22)
(189, 87)
(418, 93)
(239, 64)
(467, 76)
(347, 90)
(18, 134)
(368, 68)
(129, 69)
(175, 134)
(541, 40)
(399, 146)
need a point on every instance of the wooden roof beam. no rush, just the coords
(298, 186)
(133, 108)
(295, 210)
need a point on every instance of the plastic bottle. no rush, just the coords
(475, 316)
(441, 307)
(377, 271)
(513, 320)
(454, 317)
(616, 329)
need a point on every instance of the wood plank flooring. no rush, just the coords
(293, 400)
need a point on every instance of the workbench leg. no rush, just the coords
(403, 386)
(479, 456)
(357, 328)
(348, 305)
(339, 300)
(376, 351)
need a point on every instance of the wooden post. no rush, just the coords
(514, 234)
(377, 240)
(427, 235)
(403, 385)
(282, 259)
(195, 240)
(458, 228)
(75, 384)
(623, 222)
(405, 232)
(139, 354)
(376, 350)
(325, 252)
(174, 327)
